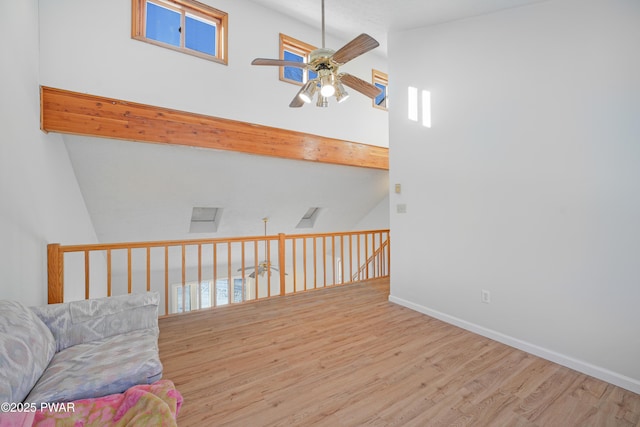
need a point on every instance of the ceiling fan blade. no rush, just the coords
(297, 102)
(278, 62)
(356, 47)
(360, 85)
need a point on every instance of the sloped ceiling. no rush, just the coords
(378, 17)
(141, 192)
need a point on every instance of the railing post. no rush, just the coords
(55, 273)
(281, 263)
(388, 253)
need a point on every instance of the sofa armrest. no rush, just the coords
(84, 321)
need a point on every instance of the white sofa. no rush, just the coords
(78, 350)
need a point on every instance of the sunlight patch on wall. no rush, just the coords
(414, 106)
(426, 108)
(413, 103)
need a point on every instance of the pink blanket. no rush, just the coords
(156, 404)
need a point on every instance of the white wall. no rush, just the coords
(377, 218)
(87, 47)
(528, 183)
(40, 201)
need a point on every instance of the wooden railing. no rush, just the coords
(194, 274)
(374, 261)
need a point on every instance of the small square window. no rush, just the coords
(381, 81)
(184, 25)
(295, 50)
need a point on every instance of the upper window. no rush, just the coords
(295, 50)
(381, 81)
(185, 25)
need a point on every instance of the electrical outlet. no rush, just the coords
(401, 208)
(485, 296)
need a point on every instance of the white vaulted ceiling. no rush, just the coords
(377, 17)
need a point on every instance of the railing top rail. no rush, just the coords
(164, 243)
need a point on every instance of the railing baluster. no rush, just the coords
(86, 274)
(268, 260)
(199, 276)
(373, 255)
(315, 267)
(215, 275)
(230, 287)
(129, 287)
(108, 272)
(148, 269)
(166, 280)
(388, 253)
(255, 267)
(366, 254)
(333, 258)
(244, 295)
(304, 261)
(293, 250)
(324, 260)
(281, 266)
(379, 256)
(359, 263)
(342, 259)
(184, 273)
(350, 258)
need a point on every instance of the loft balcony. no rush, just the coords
(209, 273)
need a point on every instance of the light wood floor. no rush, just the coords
(346, 356)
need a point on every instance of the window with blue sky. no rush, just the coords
(381, 81)
(298, 51)
(184, 25)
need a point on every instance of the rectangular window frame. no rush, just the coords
(383, 79)
(191, 294)
(298, 47)
(191, 7)
(221, 288)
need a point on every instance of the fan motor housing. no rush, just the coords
(321, 57)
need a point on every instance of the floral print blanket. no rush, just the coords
(155, 404)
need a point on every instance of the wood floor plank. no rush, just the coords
(346, 356)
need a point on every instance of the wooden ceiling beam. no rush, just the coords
(82, 114)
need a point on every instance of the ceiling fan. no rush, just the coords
(265, 265)
(325, 63)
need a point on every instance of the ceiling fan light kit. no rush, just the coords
(323, 101)
(308, 90)
(341, 93)
(325, 63)
(327, 80)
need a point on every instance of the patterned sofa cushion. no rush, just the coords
(100, 368)
(26, 348)
(83, 321)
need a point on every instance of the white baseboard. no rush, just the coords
(561, 359)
